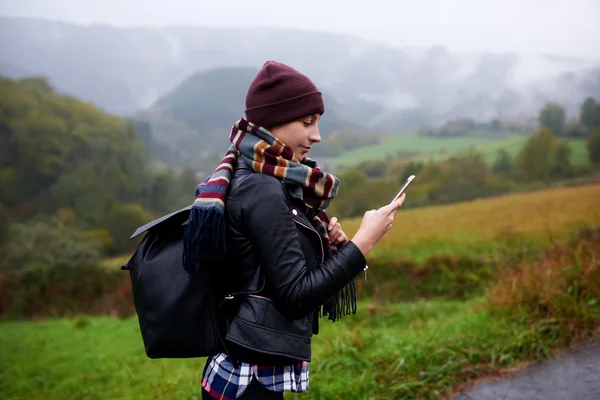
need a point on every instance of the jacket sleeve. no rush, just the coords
(296, 290)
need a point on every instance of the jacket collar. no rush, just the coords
(302, 212)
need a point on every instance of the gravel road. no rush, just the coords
(572, 375)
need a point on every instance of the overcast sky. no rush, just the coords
(565, 27)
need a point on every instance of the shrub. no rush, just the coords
(440, 276)
(121, 221)
(61, 291)
(46, 243)
(559, 291)
(50, 269)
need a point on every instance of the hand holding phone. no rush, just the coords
(403, 188)
(376, 223)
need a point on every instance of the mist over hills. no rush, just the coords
(196, 77)
(141, 64)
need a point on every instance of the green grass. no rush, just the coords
(440, 148)
(579, 156)
(413, 350)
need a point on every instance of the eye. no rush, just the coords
(307, 122)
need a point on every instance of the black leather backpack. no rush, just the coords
(177, 313)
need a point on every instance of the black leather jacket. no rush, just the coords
(276, 254)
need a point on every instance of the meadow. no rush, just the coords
(435, 149)
(420, 348)
(482, 227)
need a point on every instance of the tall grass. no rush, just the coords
(558, 292)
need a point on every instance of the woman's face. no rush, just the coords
(299, 135)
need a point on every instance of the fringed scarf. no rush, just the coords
(205, 235)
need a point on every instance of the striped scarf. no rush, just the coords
(205, 235)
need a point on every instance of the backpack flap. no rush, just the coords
(175, 217)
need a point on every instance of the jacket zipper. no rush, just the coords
(260, 297)
(319, 236)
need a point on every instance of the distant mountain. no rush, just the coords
(208, 101)
(196, 117)
(126, 70)
(11, 71)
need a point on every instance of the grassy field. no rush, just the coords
(480, 226)
(401, 350)
(436, 148)
(411, 350)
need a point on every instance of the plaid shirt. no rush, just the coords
(224, 382)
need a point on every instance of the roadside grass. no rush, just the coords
(413, 350)
(422, 350)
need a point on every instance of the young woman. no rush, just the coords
(263, 210)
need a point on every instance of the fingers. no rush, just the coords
(335, 233)
(395, 205)
(342, 239)
(332, 222)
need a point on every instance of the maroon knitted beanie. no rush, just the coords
(280, 94)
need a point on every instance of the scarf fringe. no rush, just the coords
(204, 238)
(343, 303)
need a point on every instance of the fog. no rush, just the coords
(560, 27)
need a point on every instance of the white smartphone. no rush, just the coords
(403, 188)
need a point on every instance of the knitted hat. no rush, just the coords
(280, 94)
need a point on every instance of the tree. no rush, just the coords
(593, 146)
(503, 163)
(495, 125)
(374, 168)
(64, 153)
(4, 225)
(552, 117)
(590, 114)
(562, 163)
(410, 168)
(354, 196)
(462, 177)
(537, 158)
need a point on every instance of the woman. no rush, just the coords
(263, 210)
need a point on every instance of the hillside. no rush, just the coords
(195, 118)
(379, 87)
(64, 161)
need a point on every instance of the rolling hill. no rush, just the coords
(194, 119)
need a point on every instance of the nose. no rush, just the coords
(315, 136)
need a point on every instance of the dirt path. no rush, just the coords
(570, 376)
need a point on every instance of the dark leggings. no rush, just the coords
(254, 391)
